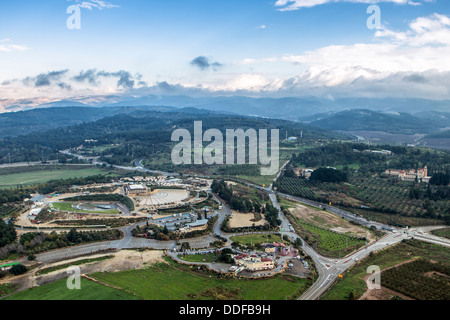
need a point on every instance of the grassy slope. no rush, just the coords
(176, 282)
(58, 291)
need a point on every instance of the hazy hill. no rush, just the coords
(367, 120)
(289, 108)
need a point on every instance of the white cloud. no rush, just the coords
(393, 60)
(6, 46)
(290, 5)
(99, 4)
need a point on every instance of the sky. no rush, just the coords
(273, 48)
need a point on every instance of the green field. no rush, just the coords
(42, 176)
(353, 280)
(58, 291)
(199, 257)
(170, 281)
(256, 238)
(68, 207)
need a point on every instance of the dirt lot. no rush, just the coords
(329, 220)
(383, 294)
(240, 220)
(162, 197)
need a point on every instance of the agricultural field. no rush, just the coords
(383, 196)
(171, 281)
(420, 279)
(297, 187)
(41, 176)
(58, 291)
(391, 196)
(353, 285)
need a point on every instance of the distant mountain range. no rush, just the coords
(14, 124)
(280, 108)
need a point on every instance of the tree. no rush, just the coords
(272, 216)
(329, 175)
(440, 179)
(18, 269)
(185, 246)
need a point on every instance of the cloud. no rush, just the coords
(5, 46)
(203, 64)
(44, 79)
(125, 78)
(417, 57)
(63, 80)
(89, 75)
(98, 4)
(409, 63)
(290, 5)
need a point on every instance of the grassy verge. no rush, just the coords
(444, 233)
(76, 263)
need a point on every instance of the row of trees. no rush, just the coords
(36, 242)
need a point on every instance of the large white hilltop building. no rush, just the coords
(412, 175)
